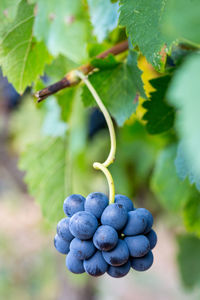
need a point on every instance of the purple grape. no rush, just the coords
(82, 249)
(105, 238)
(114, 215)
(83, 225)
(74, 264)
(142, 263)
(61, 245)
(138, 245)
(117, 256)
(73, 204)
(95, 265)
(95, 203)
(63, 230)
(125, 201)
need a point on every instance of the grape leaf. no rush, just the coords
(184, 169)
(52, 125)
(117, 88)
(64, 28)
(108, 62)
(170, 190)
(104, 17)
(142, 20)
(46, 175)
(65, 101)
(21, 124)
(21, 57)
(181, 20)
(53, 169)
(59, 67)
(188, 259)
(191, 212)
(8, 9)
(184, 94)
(160, 115)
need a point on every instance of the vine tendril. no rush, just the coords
(111, 157)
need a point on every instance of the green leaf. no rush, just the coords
(8, 9)
(25, 124)
(65, 100)
(108, 62)
(59, 68)
(188, 260)
(64, 28)
(184, 169)
(21, 57)
(142, 20)
(55, 166)
(184, 94)
(104, 17)
(160, 115)
(191, 212)
(52, 125)
(181, 20)
(117, 88)
(46, 176)
(170, 190)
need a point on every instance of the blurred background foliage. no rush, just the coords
(152, 92)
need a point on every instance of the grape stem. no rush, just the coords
(111, 157)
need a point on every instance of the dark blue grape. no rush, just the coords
(61, 245)
(82, 249)
(63, 230)
(138, 245)
(148, 216)
(121, 271)
(152, 237)
(73, 204)
(117, 256)
(125, 201)
(74, 264)
(83, 225)
(142, 263)
(114, 215)
(105, 238)
(95, 265)
(136, 223)
(95, 203)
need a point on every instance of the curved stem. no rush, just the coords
(111, 156)
(109, 178)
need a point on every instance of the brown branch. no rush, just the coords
(71, 79)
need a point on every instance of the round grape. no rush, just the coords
(63, 230)
(138, 245)
(114, 215)
(83, 225)
(95, 203)
(61, 245)
(136, 224)
(148, 216)
(95, 265)
(117, 256)
(105, 238)
(125, 201)
(73, 204)
(142, 263)
(74, 264)
(82, 249)
(152, 237)
(121, 271)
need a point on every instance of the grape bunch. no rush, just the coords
(99, 237)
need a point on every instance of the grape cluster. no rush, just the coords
(98, 237)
